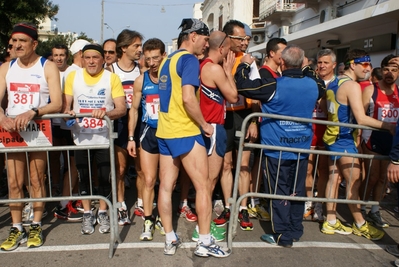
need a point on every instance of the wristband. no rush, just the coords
(130, 138)
(395, 162)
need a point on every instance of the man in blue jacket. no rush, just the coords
(293, 94)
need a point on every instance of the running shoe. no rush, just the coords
(318, 212)
(68, 213)
(245, 223)
(148, 231)
(220, 230)
(159, 226)
(88, 222)
(218, 207)
(185, 212)
(14, 239)
(338, 228)
(35, 237)
(258, 212)
(212, 249)
(123, 217)
(223, 218)
(392, 249)
(268, 238)
(376, 219)
(170, 248)
(218, 236)
(368, 231)
(138, 210)
(308, 209)
(103, 221)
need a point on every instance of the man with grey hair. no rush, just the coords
(326, 62)
(279, 96)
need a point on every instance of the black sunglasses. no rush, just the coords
(9, 46)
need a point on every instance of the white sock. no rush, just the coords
(205, 239)
(88, 212)
(123, 206)
(183, 203)
(227, 207)
(171, 236)
(18, 226)
(102, 211)
(39, 223)
(333, 222)
(243, 208)
(139, 202)
(361, 224)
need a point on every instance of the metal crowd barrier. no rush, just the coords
(114, 233)
(235, 200)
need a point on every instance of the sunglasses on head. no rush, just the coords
(223, 40)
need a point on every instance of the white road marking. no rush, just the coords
(189, 245)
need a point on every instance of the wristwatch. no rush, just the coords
(36, 111)
(130, 138)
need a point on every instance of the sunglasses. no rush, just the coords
(241, 38)
(364, 64)
(9, 46)
(223, 40)
(109, 52)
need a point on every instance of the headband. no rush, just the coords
(94, 47)
(362, 59)
(25, 29)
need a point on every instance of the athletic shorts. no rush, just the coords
(66, 135)
(178, 146)
(342, 146)
(148, 140)
(318, 132)
(380, 142)
(216, 141)
(233, 123)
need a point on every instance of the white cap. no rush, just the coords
(78, 45)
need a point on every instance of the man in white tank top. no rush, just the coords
(42, 81)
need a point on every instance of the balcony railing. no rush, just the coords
(268, 7)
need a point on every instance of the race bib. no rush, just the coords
(318, 112)
(388, 114)
(128, 95)
(239, 105)
(92, 125)
(152, 106)
(24, 96)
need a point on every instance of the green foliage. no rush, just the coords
(46, 46)
(14, 11)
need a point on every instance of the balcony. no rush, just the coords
(275, 11)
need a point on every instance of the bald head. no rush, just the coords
(217, 39)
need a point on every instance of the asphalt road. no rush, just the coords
(65, 246)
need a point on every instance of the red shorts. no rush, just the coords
(318, 132)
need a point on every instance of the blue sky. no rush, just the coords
(142, 16)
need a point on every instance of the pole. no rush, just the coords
(102, 21)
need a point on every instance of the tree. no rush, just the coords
(12, 12)
(46, 46)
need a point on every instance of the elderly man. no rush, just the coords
(103, 95)
(42, 82)
(285, 174)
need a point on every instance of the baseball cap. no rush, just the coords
(78, 45)
(194, 25)
(247, 30)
